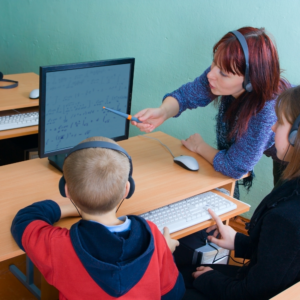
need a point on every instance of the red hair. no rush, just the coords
(264, 74)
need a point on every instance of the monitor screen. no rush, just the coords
(72, 97)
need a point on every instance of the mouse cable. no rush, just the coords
(214, 260)
(16, 111)
(152, 138)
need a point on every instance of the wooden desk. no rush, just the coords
(18, 98)
(159, 181)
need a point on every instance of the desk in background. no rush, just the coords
(18, 98)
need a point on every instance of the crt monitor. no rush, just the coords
(72, 97)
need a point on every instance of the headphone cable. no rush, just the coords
(120, 205)
(76, 208)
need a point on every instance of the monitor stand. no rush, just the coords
(57, 161)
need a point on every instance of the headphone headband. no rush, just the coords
(15, 83)
(246, 84)
(99, 144)
(294, 131)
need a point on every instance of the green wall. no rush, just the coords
(171, 40)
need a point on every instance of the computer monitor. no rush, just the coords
(72, 97)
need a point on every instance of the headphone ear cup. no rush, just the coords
(132, 187)
(292, 137)
(249, 87)
(61, 186)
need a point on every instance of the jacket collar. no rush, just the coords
(284, 192)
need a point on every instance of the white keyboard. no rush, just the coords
(19, 120)
(188, 212)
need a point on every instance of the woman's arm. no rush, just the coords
(188, 96)
(196, 144)
(193, 94)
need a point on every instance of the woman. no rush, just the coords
(273, 244)
(245, 118)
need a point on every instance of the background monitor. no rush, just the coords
(72, 97)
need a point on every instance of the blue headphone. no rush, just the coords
(246, 84)
(99, 144)
(15, 83)
(294, 131)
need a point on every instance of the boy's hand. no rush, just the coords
(227, 234)
(172, 244)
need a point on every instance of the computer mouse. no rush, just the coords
(187, 162)
(34, 94)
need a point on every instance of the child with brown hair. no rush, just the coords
(101, 256)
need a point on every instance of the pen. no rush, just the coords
(128, 117)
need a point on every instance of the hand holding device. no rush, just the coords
(172, 244)
(121, 114)
(227, 233)
(151, 118)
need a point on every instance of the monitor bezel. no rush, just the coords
(63, 67)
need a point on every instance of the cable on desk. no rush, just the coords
(152, 138)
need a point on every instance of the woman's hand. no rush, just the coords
(151, 118)
(201, 270)
(172, 244)
(227, 234)
(196, 144)
(193, 143)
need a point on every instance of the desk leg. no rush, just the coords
(229, 187)
(28, 279)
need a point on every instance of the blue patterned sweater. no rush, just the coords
(243, 154)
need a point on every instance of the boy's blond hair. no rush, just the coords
(96, 177)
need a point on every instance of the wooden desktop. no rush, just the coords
(159, 181)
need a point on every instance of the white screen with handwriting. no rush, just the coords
(74, 101)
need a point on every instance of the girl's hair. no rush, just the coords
(288, 105)
(264, 74)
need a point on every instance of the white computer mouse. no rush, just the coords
(187, 162)
(34, 94)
